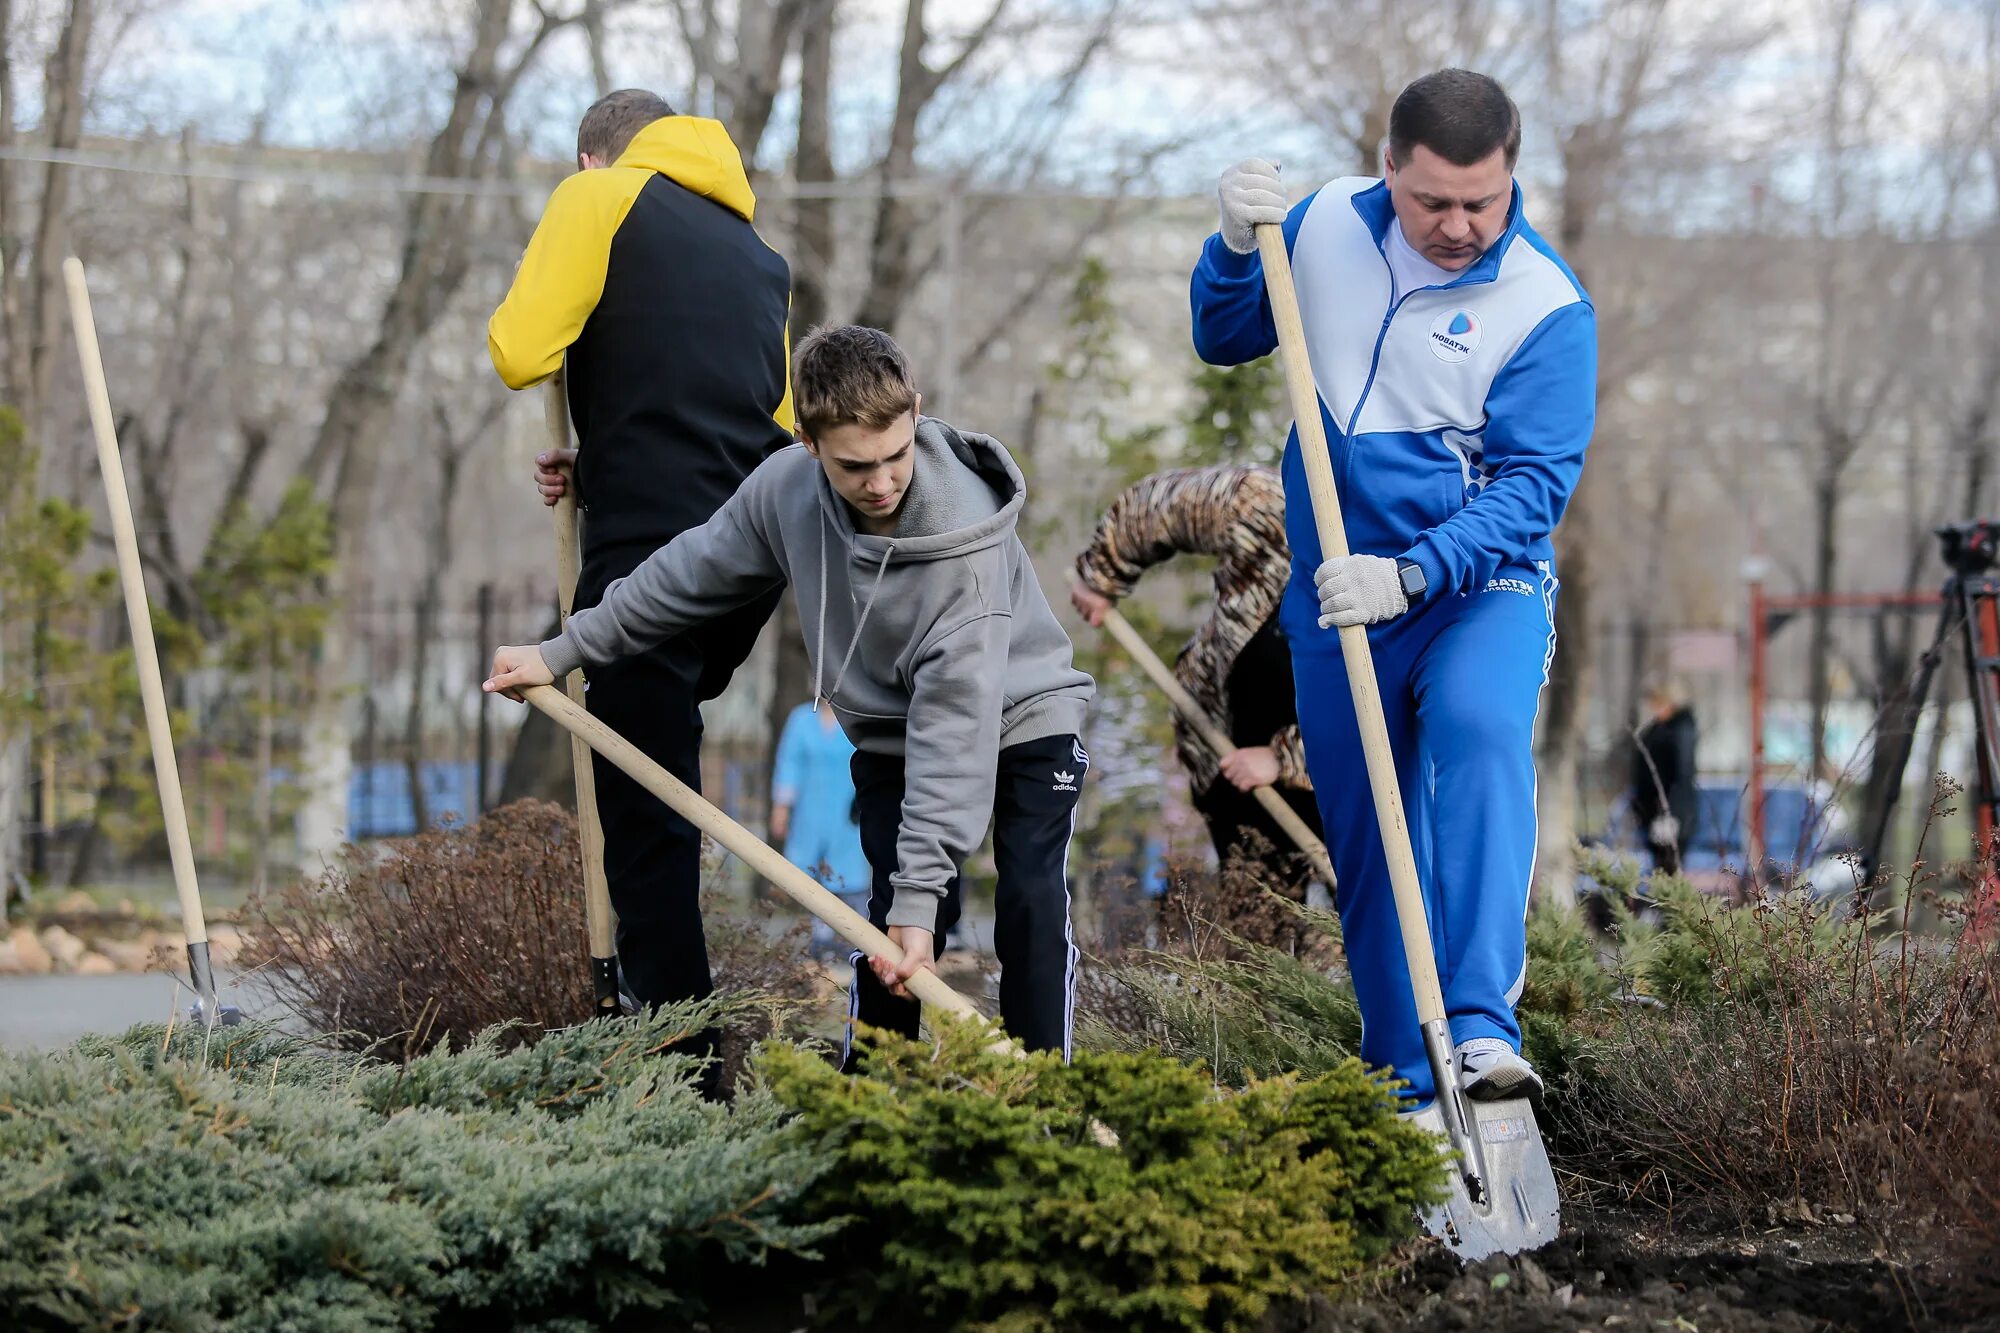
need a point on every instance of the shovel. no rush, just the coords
(1204, 726)
(795, 883)
(208, 1010)
(1503, 1197)
(599, 918)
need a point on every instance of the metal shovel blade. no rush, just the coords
(1523, 1210)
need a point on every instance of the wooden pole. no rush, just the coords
(601, 920)
(146, 656)
(1354, 648)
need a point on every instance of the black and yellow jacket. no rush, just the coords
(672, 311)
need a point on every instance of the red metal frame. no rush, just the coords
(1987, 902)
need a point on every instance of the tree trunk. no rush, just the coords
(62, 101)
(358, 426)
(812, 241)
(593, 39)
(764, 35)
(889, 275)
(538, 767)
(1826, 507)
(413, 714)
(812, 256)
(1895, 730)
(1573, 668)
(267, 702)
(14, 748)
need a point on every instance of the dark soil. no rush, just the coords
(1610, 1272)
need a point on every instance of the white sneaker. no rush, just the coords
(1489, 1070)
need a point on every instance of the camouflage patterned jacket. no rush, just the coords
(1238, 515)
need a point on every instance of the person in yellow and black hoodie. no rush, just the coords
(646, 273)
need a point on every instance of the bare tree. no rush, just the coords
(812, 261)
(918, 82)
(1845, 395)
(436, 254)
(452, 447)
(1341, 63)
(29, 304)
(738, 55)
(1619, 78)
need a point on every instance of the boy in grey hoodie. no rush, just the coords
(931, 640)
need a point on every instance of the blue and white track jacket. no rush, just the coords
(1457, 417)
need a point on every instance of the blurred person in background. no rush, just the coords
(812, 811)
(1664, 798)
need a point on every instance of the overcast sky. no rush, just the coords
(371, 74)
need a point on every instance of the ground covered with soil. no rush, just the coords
(1612, 1271)
(1609, 1271)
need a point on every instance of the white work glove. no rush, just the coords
(1359, 590)
(1250, 194)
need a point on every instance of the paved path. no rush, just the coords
(47, 1012)
(43, 1013)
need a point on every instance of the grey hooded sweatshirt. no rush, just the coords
(935, 643)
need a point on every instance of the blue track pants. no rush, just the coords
(1461, 681)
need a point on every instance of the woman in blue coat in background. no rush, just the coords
(812, 811)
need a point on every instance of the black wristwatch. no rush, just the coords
(1414, 584)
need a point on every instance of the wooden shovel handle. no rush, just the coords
(602, 922)
(146, 656)
(1353, 638)
(1204, 726)
(795, 883)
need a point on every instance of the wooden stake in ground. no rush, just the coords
(1204, 726)
(145, 654)
(603, 923)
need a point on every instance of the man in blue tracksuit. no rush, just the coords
(1456, 360)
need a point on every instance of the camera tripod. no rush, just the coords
(1971, 615)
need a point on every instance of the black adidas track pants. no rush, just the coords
(1034, 815)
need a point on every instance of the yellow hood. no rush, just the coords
(696, 154)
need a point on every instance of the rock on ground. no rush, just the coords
(31, 956)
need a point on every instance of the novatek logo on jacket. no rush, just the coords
(1454, 335)
(1457, 413)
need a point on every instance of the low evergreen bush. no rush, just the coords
(252, 1182)
(979, 1191)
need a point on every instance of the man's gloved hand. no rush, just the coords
(1250, 194)
(1359, 590)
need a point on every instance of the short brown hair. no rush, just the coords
(846, 375)
(607, 128)
(1462, 116)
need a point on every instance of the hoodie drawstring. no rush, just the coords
(819, 650)
(819, 653)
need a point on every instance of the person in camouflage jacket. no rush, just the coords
(1238, 665)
